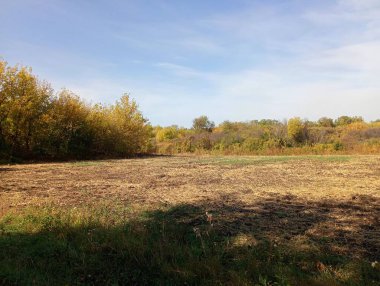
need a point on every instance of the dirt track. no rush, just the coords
(335, 199)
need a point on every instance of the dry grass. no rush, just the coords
(302, 202)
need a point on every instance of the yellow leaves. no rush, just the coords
(167, 133)
(3, 64)
(31, 117)
(295, 129)
(357, 126)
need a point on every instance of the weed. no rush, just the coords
(162, 247)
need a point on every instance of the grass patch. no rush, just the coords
(261, 160)
(106, 245)
(85, 163)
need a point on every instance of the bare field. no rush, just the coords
(302, 220)
(335, 198)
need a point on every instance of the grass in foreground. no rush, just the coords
(107, 245)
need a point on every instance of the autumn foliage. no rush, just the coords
(36, 122)
(271, 137)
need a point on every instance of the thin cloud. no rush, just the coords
(253, 59)
(184, 71)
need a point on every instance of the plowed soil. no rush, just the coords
(335, 199)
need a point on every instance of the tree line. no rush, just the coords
(346, 134)
(37, 122)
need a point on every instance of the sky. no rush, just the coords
(231, 60)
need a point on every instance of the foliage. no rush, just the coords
(23, 102)
(36, 123)
(296, 129)
(326, 122)
(346, 120)
(272, 137)
(66, 130)
(167, 133)
(202, 123)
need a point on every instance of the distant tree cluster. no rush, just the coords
(294, 136)
(36, 122)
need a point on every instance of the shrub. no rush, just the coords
(338, 146)
(202, 123)
(296, 130)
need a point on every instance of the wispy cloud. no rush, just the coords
(249, 59)
(184, 71)
(362, 57)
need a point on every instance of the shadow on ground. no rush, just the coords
(282, 241)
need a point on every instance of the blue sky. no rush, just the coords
(231, 60)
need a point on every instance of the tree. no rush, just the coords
(202, 123)
(228, 126)
(36, 123)
(23, 101)
(66, 130)
(296, 129)
(325, 122)
(167, 133)
(345, 120)
(3, 97)
(130, 127)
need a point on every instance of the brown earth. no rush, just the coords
(331, 199)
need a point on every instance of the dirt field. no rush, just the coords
(332, 199)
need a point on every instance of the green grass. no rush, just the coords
(85, 163)
(261, 160)
(104, 245)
